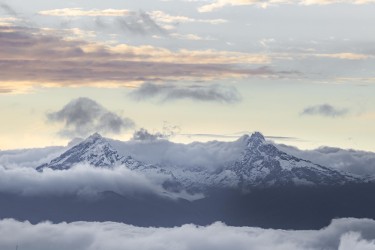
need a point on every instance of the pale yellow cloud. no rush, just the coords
(163, 17)
(345, 56)
(80, 12)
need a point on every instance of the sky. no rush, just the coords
(300, 72)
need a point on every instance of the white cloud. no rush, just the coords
(342, 234)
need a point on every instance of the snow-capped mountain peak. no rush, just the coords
(95, 150)
(261, 164)
(255, 140)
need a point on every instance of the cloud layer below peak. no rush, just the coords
(342, 234)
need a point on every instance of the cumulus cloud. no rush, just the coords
(170, 92)
(218, 4)
(83, 116)
(341, 234)
(326, 110)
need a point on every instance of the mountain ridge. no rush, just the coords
(261, 164)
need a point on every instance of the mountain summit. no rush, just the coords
(95, 150)
(261, 164)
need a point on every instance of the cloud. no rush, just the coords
(34, 57)
(326, 110)
(163, 17)
(8, 10)
(83, 180)
(170, 92)
(29, 158)
(341, 234)
(140, 23)
(345, 56)
(219, 4)
(76, 12)
(83, 116)
(144, 135)
(157, 15)
(348, 160)
(212, 155)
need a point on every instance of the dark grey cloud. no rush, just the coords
(140, 23)
(143, 135)
(326, 110)
(341, 234)
(84, 116)
(8, 10)
(167, 132)
(169, 92)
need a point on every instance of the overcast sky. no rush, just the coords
(203, 70)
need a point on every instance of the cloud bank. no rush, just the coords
(170, 92)
(326, 110)
(341, 234)
(83, 116)
(211, 155)
(29, 158)
(352, 161)
(83, 180)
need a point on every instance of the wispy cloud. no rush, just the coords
(345, 56)
(84, 116)
(37, 57)
(163, 17)
(80, 12)
(326, 110)
(140, 23)
(218, 4)
(157, 15)
(170, 92)
(8, 10)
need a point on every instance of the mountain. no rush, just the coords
(98, 152)
(95, 150)
(261, 164)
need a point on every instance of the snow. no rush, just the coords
(259, 164)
